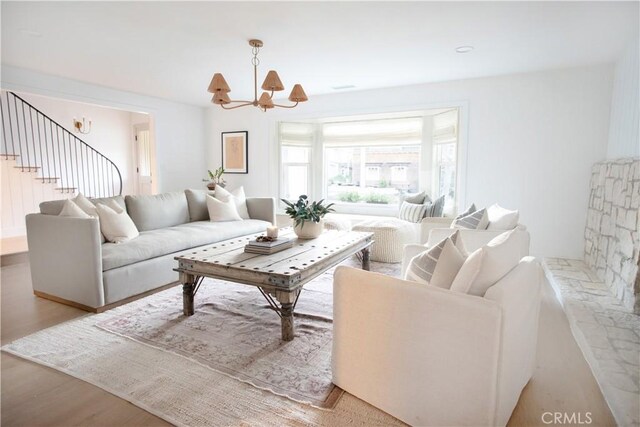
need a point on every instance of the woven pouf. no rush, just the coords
(337, 224)
(390, 236)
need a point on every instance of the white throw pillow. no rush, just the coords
(84, 204)
(117, 227)
(240, 199)
(476, 221)
(490, 263)
(70, 209)
(501, 218)
(220, 210)
(436, 266)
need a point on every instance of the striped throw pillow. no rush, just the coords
(471, 209)
(437, 266)
(412, 212)
(435, 208)
(476, 221)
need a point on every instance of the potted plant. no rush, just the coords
(307, 217)
(215, 178)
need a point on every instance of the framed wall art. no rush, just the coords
(235, 152)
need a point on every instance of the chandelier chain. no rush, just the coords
(255, 61)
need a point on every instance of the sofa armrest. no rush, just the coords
(65, 255)
(429, 223)
(425, 355)
(409, 252)
(263, 208)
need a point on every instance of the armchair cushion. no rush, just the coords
(490, 263)
(436, 266)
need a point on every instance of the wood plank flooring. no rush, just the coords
(33, 395)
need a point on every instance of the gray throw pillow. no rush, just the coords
(471, 209)
(435, 208)
(416, 198)
(412, 212)
(476, 221)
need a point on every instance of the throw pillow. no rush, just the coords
(240, 199)
(471, 209)
(222, 210)
(490, 263)
(457, 240)
(476, 221)
(84, 204)
(70, 209)
(416, 198)
(501, 218)
(435, 208)
(116, 226)
(412, 212)
(197, 203)
(436, 266)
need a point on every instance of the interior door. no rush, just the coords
(143, 159)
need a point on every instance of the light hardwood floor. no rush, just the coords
(33, 395)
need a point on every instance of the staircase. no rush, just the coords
(43, 149)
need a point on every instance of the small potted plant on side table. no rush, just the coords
(215, 178)
(307, 218)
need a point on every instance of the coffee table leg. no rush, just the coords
(288, 331)
(188, 293)
(365, 259)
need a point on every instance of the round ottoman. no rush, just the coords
(390, 236)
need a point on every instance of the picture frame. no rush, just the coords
(235, 152)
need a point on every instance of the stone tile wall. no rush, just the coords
(612, 234)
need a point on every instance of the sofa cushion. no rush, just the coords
(54, 207)
(158, 211)
(197, 203)
(155, 243)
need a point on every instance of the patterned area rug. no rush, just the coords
(236, 332)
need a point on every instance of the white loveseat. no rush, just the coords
(70, 264)
(435, 357)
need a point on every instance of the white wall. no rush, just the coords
(625, 112)
(110, 132)
(531, 141)
(178, 128)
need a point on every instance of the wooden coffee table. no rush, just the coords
(279, 277)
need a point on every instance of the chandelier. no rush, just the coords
(220, 89)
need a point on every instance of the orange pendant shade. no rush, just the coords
(220, 98)
(218, 84)
(272, 82)
(265, 101)
(297, 94)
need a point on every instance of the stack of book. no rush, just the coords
(267, 248)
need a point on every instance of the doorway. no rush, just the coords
(144, 177)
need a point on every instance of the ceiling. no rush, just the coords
(171, 49)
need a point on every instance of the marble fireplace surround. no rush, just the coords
(612, 237)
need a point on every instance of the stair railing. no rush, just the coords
(40, 144)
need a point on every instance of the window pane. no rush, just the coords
(373, 175)
(295, 181)
(295, 154)
(445, 159)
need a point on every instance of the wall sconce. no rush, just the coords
(81, 126)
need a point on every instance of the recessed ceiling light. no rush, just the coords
(464, 49)
(30, 33)
(343, 87)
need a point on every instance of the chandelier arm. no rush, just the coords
(286, 106)
(245, 103)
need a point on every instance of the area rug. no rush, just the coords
(151, 371)
(234, 331)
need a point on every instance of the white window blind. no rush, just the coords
(299, 134)
(445, 127)
(402, 131)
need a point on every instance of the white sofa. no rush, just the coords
(69, 263)
(431, 356)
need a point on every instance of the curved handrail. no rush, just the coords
(65, 131)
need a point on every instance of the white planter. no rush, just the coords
(308, 229)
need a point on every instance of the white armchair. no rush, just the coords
(431, 356)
